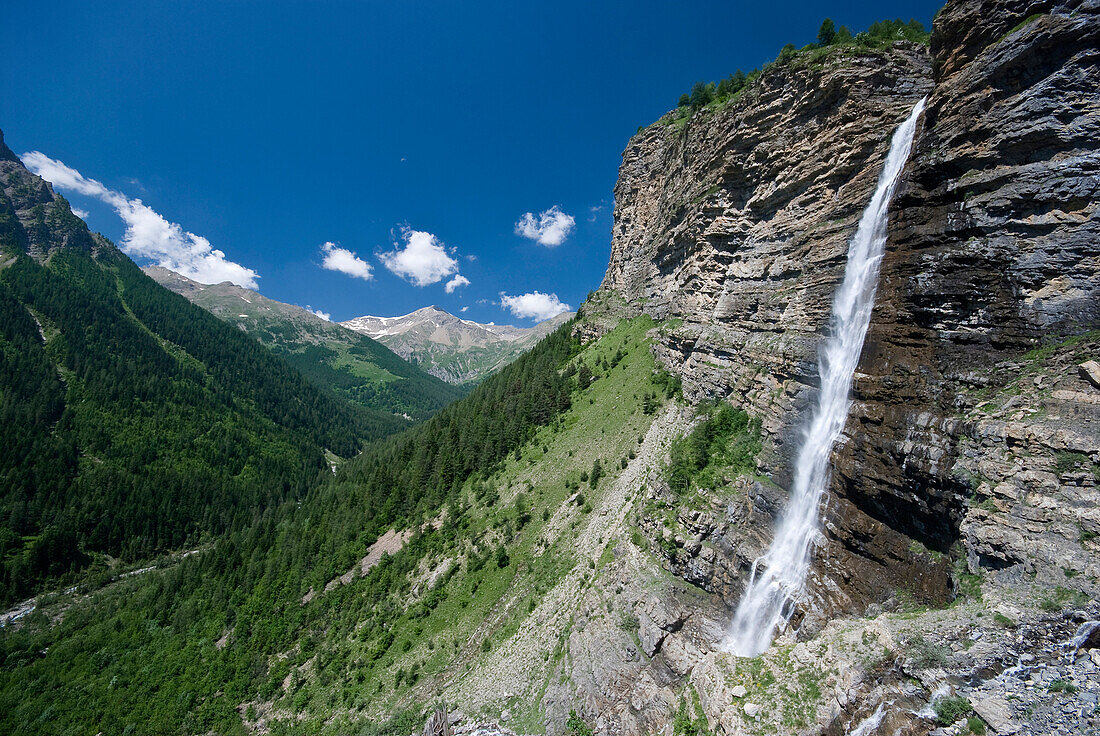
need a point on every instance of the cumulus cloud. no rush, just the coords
(82, 214)
(423, 260)
(326, 316)
(535, 305)
(457, 281)
(148, 234)
(550, 228)
(344, 261)
(463, 309)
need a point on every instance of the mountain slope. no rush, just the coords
(332, 356)
(571, 545)
(213, 632)
(133, 420)
(456, 350)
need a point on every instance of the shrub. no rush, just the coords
(727, 438)
(1067, 462)
(576, 725)
(925, 653)
(597, 473)
(950, 709)
(880, 33)
(628, 621)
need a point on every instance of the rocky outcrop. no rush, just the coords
(973, 437)
(33, 219)
(734, 231)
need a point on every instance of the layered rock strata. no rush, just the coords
(733, 229)
(973, 423)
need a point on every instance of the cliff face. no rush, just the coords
(961, 434)
(734, 231)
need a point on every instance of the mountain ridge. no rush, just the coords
(452, 348)
(351, 364)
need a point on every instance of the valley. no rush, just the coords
(820, 456)
(352, 366)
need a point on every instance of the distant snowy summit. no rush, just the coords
(454, 349)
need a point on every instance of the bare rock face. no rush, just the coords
(972, 424)
(960, 432)
(48, 224)
(734, 230)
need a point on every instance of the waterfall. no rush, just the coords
(778, 577)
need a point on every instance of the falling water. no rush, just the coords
(779, 576)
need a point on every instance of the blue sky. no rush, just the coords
(407, 133)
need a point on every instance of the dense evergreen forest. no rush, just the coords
(134, 422)
(144, 655)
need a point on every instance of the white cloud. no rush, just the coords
(550, 228)
(346, 262)
(535, 305)
(422, 261)
(326, 316)
(82, 214)
(463, 309)
(457, 281)
(148, 234)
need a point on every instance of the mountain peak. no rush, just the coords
(32, 199)
(454, 349)
(6, 154)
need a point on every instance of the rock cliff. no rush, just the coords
(973, 432)
(974, 424)
(970, 462)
